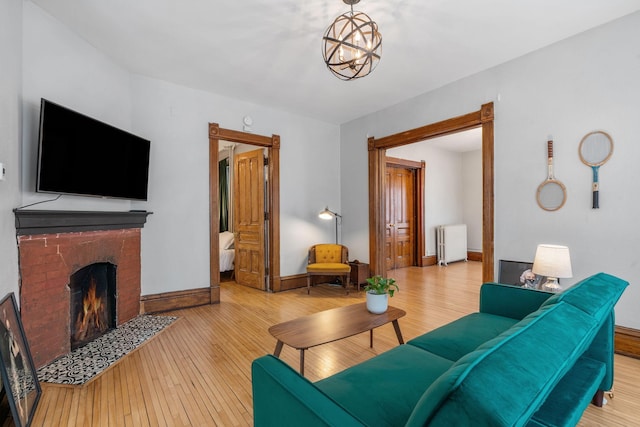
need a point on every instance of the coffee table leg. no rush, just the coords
(302, 362)
(278, 349)
(396, 326)
(371, 338)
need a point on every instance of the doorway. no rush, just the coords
(404, 189)
(377, 160)
(271, 201)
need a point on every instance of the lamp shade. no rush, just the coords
(552, 261)
(327, 214)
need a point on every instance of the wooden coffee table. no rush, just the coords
(332, 325)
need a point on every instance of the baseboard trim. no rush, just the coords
(429, 260)
(176, 300)
(627, 341)
(433, 259)
(474, 256)
(292, 282)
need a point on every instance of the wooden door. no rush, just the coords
(249, 218)
(400, 217)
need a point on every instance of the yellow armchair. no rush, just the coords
(328, 259)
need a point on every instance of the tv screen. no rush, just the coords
(83, 156)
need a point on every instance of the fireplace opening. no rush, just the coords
(92, 302)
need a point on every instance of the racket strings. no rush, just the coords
(551, 196)
(595, 150)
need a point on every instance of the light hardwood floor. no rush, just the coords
(197, 372)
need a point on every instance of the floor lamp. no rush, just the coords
(327, 214)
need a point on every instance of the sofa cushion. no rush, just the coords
(384, 390)
(596, 295)
(328, 266)
(282, 397)
(506, 379)
(454, 340)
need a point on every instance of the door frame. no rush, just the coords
(272, 203)
(418, 197)
(484, 117)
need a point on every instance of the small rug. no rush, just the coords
(85, 363)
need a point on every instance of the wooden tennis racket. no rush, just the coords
(595, 150)
(551, 194)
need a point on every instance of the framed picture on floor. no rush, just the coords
(20, 386)
(518, 273)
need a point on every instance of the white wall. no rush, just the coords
(10, 107)
(587, 82)
(175, 244)
(61, 67)
(472, 196)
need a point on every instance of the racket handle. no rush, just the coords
(595, 199)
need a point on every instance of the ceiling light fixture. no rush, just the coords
(352, 45)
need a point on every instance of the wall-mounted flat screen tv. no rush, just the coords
(84, 156)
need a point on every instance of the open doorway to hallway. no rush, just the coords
(377, 147)
(451, 193)
(271, 262)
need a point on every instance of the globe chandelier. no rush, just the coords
(352, 45)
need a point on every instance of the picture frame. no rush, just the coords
(515, 273)
(20, 386)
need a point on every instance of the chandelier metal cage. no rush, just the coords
(352, 45)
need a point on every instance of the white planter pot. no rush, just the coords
(377, 304)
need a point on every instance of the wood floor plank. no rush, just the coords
(198, 371)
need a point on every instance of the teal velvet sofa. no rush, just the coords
(526, 358)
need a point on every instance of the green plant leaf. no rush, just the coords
(380, 285)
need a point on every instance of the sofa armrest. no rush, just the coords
(282, 397)
(510, 301)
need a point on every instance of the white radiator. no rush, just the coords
(451, 243)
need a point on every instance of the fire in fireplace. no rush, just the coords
(92, 302)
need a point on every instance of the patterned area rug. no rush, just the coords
(85, 363)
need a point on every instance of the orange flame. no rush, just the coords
(90, 320)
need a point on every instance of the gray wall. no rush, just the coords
(10, 105)
(584, 83)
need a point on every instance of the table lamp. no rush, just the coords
(554, 262)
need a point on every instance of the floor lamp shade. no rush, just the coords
(328, 214)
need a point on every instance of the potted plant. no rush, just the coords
(378, 290)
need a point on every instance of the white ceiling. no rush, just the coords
(268, 51)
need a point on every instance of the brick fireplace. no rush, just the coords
(53, 245)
